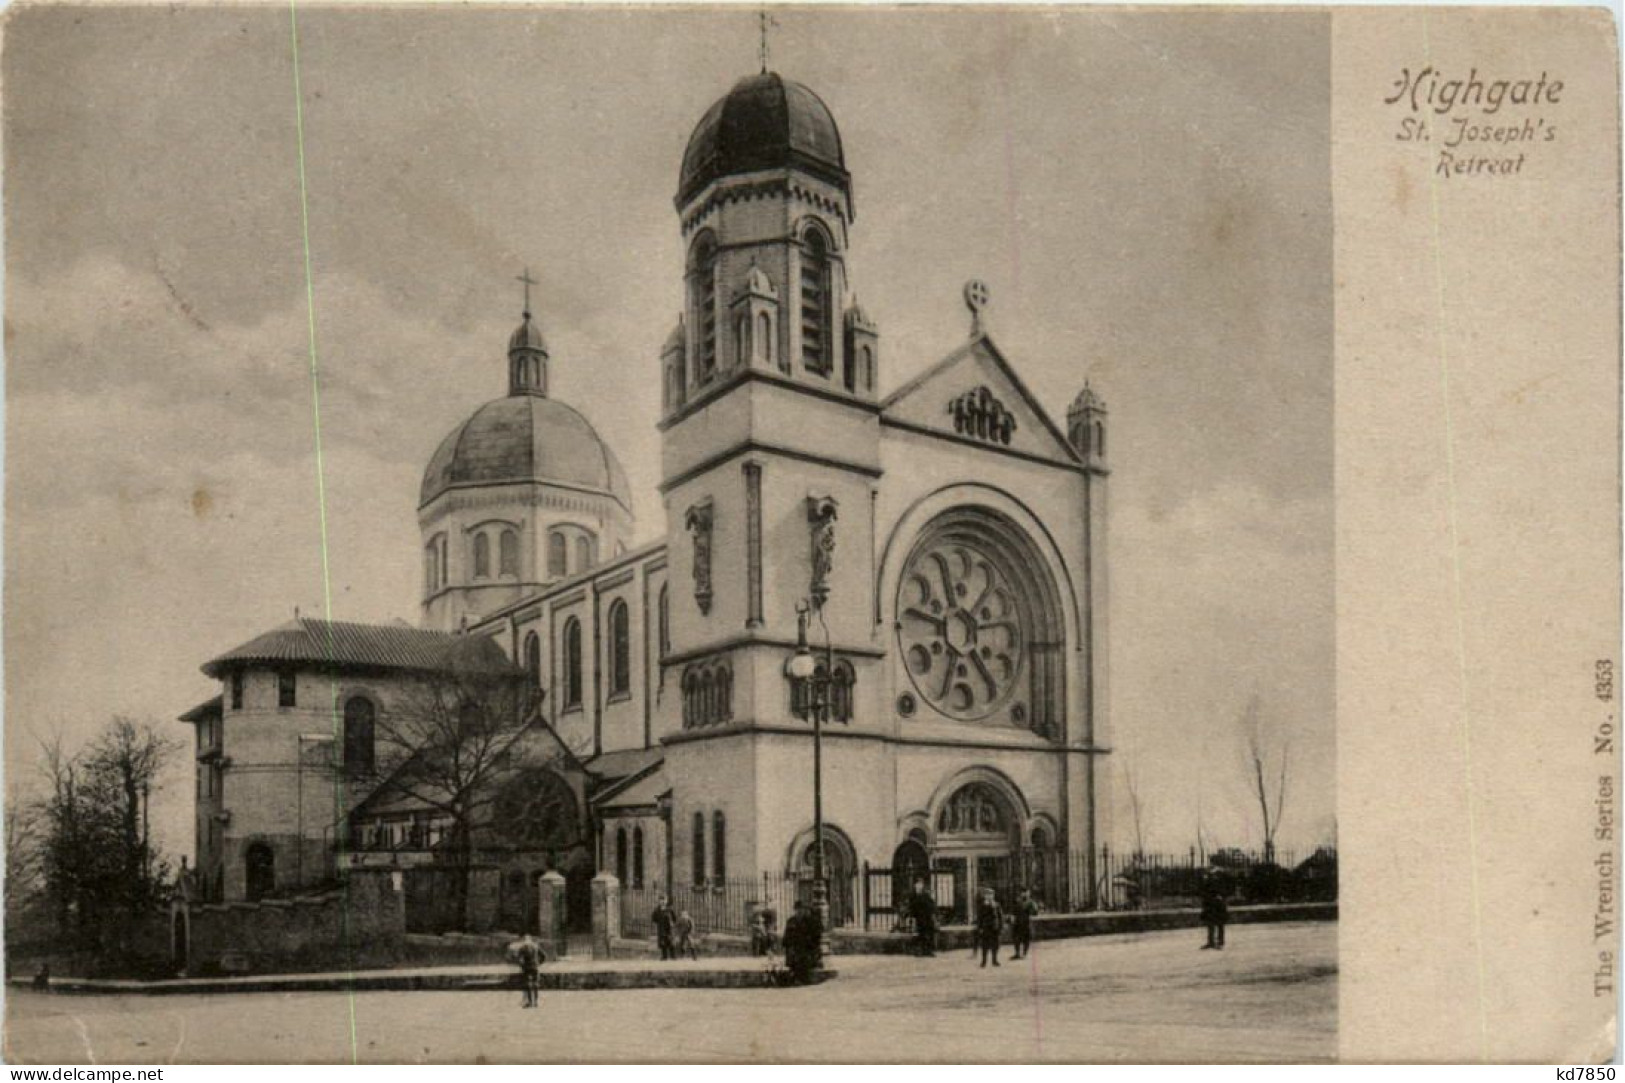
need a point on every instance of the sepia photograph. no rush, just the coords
(496, 546)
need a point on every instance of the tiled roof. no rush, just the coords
(642, 793)
(340, 643)
(209, 708)
(613, 766)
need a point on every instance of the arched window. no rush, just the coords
(719, 847)
(866, 369)
(665, 621)
(620, 854)
(1100, 439)
(508, 552)
(815, 302)
(557, 555)
(691, 709)
(445, 565)
(840, 692)
(584, 557)
(533, 658)
(725, 695)
(637, 857)
(572, 663)
(620, 649)
(358, 735)
(431, 566)
(482, 555)
(260, 862)
(702, 289)
(741, 341)
(699, 849)
(764, 337)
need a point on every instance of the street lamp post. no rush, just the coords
(804, 671)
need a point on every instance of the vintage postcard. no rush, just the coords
(496, 543)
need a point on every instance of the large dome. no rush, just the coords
(525, 438)
(764, 122)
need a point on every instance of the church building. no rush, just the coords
(941, 548)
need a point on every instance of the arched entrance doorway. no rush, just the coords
(260, 868)
(840, 872)
(978, 829)
(910, 864)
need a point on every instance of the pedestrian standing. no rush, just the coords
(1022, 930)
(989, 924)
(802, 934)
(527, 954)
(922, 909)
(1215, 912)
(685, 937)
(664, 921)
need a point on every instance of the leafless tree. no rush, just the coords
(1267, 758)
(24, 887)
(459, 734)
(1131, 784)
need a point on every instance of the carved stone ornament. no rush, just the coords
(978, 413)
(698, 522)
(821, 514)
(974, 810)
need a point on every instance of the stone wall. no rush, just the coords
(361, 925)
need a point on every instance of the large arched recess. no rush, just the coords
(987, 516)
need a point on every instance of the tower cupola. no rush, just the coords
(527, 352)
(764, 200)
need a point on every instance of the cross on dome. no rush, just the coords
(977, 298)
(529, 282)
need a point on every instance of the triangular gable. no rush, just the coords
(974, 393)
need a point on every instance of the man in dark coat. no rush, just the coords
(665, 921)
(989, 925)
(1215, 912)
(801, 936)
(1022, 924)
(922, 908)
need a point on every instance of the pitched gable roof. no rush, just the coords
(342, 643)
(979, 362)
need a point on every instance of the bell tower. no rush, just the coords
(765, 204)
(770, 442)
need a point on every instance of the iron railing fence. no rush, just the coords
(878, 899)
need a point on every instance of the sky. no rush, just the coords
(1147, 195)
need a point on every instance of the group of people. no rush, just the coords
(804, 932)
(990, 920)
(674, 931)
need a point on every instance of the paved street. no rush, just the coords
(1270, 996)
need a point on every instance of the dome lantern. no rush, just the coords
(527, 352)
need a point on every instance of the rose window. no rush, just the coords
(960, 629)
